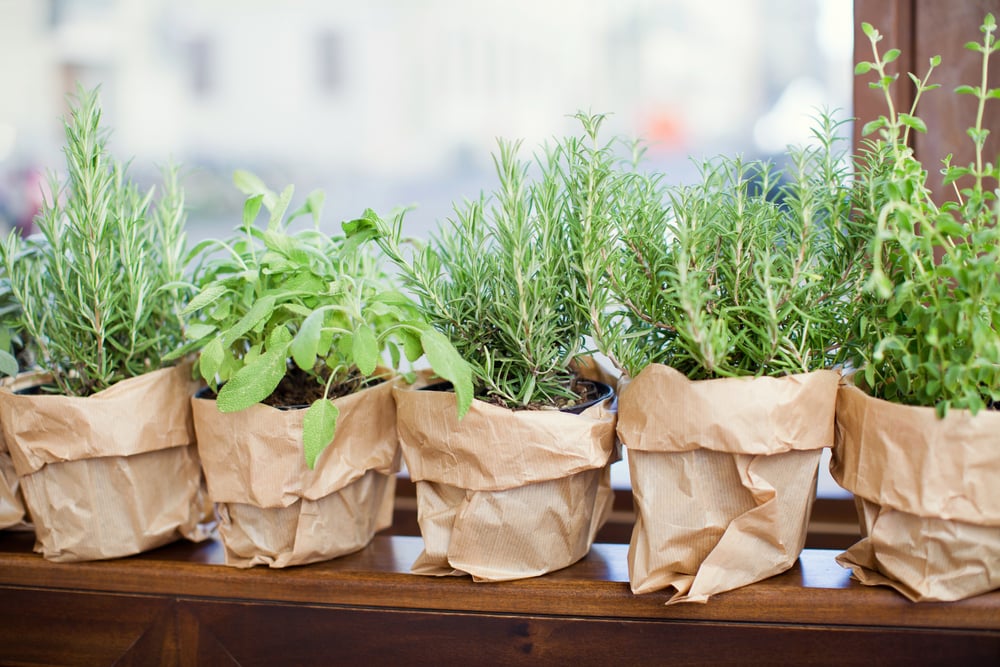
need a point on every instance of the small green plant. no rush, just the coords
(506, 279)
(291, 318)
(747, 272)
(99, 295)
(928, 331)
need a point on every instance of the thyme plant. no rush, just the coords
(747, 272)
(281, 311)
(505, 279)
(99, 293)
(928, 331)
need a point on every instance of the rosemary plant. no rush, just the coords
(99, 293)
(506, 279)
(928, 331)
(747, 272)
(282, 313)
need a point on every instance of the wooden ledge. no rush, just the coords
(815, 591)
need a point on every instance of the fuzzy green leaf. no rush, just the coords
(306, 342)
(862, 67)
(871, 126)
(210, 359)
(8, 364)
(967, 90)
(364, 350)
(261, 309)
(204, 298)
(254, 382)
(318, 428)
(198, 330)
(447, 363)
(251, 207)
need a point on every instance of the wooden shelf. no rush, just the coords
(180, 605)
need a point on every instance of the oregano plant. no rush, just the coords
(99, 292)
(928, 328)
(292, 317)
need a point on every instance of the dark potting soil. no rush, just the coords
(588, 393)
(299, 390)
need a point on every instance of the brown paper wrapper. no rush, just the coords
(928, 496)
(110, 475)
(723, 475)
(13, 513)
(273, 509)
(504, 494)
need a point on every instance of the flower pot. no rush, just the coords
(723, 475)
(928, 496)
(112, 474)
(273, 509)
(505, 494)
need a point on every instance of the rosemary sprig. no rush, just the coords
(98, 292)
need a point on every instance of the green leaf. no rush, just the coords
(967, 90)
(210, 359)
(279, 208)
(891, 55)
(8, 364)
(411, 345)
(306, 342)
(318, 428)
(204, 298)
(447, 363)
(365, 350)
(870, 32)
(251, 207)
(253, 383)
(913, 122)
(260, 311)
(198, 330)
(871, 126)
(862, 67)
(250, 185)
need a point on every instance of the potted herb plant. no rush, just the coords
(731, 303)
(917, 433)
(297, 434)
(105, 453)
(519, 486)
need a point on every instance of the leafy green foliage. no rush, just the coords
(747, 272)
(505, 279)
(99, 293)
(272, 302)
(928, 331)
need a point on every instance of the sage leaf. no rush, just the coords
(8, 364)
(210, 360)
(365, 350)
(318, 428)
(253, 383)
(306, 342)
(446, 362)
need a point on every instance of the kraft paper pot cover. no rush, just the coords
(112, 474)
(505, 494)
(927, 496)
(723, 475)
(273, 509)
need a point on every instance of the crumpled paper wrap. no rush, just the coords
(505, 494)
(928, 496)
(723, 475)
(273, 509)
(13, 513)
(112, 474)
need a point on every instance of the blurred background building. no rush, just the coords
(398, 102)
